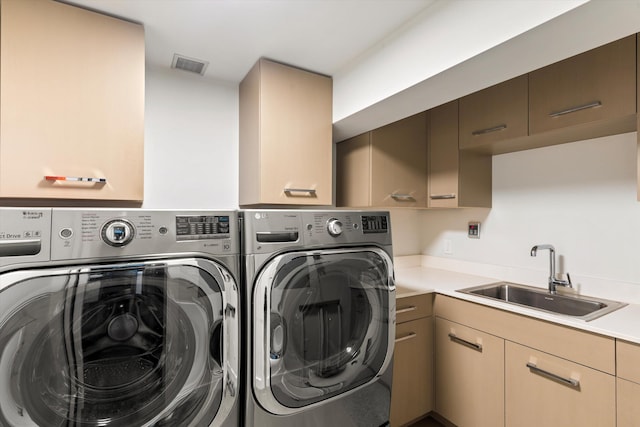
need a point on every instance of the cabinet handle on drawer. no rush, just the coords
(488, 130)
(402, 197)
(473, 345)
(442, 196)
(405, 309)
(310, 191)
(568, 381)
(574, 109)
(406, 337)
(75, 178)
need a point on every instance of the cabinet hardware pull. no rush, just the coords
(442, 196)
(473, 345)
(574, 109)
(403, 197)
(568, 381)
(74, 178)
(406, 337)
(405, 309)
(310, 191)
(488, 130)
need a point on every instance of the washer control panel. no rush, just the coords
(98, 233)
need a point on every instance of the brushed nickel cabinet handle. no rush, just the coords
(574, 109)
(442, 196)
(409, 336)
(488, 130)
(473, 345)
(568, 381)
(406, 309)
(402, 197)
(309, 191)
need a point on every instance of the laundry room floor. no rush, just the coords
(426, 422)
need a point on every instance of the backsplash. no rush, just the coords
(579, 197)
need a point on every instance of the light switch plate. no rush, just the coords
(474, 230)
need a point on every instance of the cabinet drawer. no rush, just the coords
(469, 372)
(413, 307)
(494, 114)
(544, 390)
(628, 361)
(412, 391)
(595, 85)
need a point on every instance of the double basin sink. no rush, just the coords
(578, 307)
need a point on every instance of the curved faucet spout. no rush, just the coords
(553, 282)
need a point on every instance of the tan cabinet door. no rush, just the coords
(469, 372)
(412, 391)
(71, 102)
(285, 136)
(628, 397)
(498, 113)
(595, 85)
(353, 171)
(544, 390)
(399, 163)
(457, 178)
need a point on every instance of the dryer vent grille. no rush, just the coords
(189, 64)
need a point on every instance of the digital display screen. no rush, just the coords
(375, 224)
(201, 226)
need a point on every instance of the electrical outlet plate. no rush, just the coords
(474, 230)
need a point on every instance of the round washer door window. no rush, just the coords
(124, 345)
(326, 325)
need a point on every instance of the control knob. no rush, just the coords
(118, 232)
(334, 227)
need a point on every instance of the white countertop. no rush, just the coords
(623, 323)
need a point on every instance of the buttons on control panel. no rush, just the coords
(118, 232)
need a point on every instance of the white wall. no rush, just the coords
(191, 141)
(580, 197)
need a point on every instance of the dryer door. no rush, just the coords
(323, 326)
(151, 343)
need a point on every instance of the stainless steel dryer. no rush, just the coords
(320, 301)
(118, 318)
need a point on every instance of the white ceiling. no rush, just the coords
(320, 35)
(388, 58)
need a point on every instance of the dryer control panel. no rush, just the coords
(271, 230)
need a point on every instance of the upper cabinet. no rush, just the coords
(285, 136)
(386, 167)
(457, 178)
(71, 103)
(594, 86)
(494, 115)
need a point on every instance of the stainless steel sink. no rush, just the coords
(579, 307)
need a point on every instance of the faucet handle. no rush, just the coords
(569, 279)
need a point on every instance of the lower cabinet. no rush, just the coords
(496, 368)
(469, 367)
(544, 390)
(628, 383)
(628, 397)
(412, 389)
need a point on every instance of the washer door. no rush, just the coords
(143, 344)
(322, 326)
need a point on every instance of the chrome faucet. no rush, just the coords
(553, 282)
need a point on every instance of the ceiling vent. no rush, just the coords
(189, 64)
